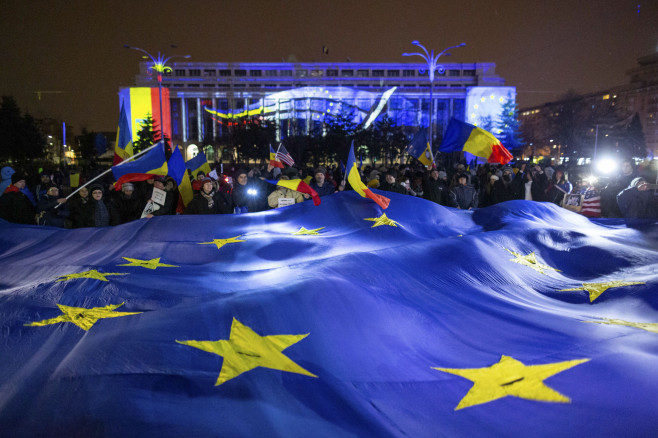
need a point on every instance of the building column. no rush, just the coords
(199, 119)
(183, 110)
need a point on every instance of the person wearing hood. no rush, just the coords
(390, 183)
(101, 216)
(15, 206)
(51, 209)
(638, 204)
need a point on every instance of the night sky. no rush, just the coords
(74, 51)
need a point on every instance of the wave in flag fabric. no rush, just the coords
(152, 163)
(461, 136)
(520, 319)
(283, 155)
(124, 143)
(354, 179)
(178, 171)
(198, 163)
(420, 148)
(273, 160)
(299, 186)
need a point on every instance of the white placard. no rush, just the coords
(283, 202)
(159, 196)
(213, 174)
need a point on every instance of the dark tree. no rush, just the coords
(20, 137)
(86, 143)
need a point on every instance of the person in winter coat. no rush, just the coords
(51, 209)
(435, 186)
(558, 187)
(101, 217)
(204, 201)
(283, 192)
(5, 178)
(638, 204)
(15, 206)
(464, 196)
(126, 206)
(80, 208)
(249, 195)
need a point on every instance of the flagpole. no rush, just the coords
(132, 157)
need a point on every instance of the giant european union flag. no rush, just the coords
(521, 319)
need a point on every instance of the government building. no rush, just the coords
(201, 100)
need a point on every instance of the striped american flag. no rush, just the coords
(591, 203)
(283, 155)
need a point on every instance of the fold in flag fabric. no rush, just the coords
(283, 155)
(152, 163)
(420, 148)
(521, 319)
(124, 144)
(299, 186)
(178, 172)
(198, 164)
(462, 136)
(354, 179)
(273, 160)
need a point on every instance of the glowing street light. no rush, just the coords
(432, 66)
(160, 67)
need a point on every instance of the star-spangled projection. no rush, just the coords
(245, 350)
(510, 377)
(596, 289)
(382, 220)
(648, 326)
(304, 232)
(93, 274)
(222, 242)
(148, 264)
(530, 260)
(83, 317)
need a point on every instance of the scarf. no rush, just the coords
(208, 197)
(101, 215)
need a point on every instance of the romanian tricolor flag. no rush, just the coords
(420, 148)
(297, 185)
(152, 163)
(198, 164)
(355, 181)
(178, 172)
(462, 136)
(124, 143)
(273, 161)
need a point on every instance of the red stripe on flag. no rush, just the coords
(382, 201)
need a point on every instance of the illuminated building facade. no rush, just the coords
(205, 98)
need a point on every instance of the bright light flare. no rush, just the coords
(606, 166)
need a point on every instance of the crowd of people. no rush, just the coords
(244, 189)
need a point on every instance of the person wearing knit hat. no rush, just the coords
(15, 206)
(322, 187)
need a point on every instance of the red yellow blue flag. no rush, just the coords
(354, 179)
(197, 164)
(273, 159)
(124, 143)
(299, 186)
(420, 148)
(462, 136)
(152, 163)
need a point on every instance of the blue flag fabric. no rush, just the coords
(199, 163)
(520, 319)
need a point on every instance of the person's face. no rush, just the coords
(157, 185)
(84, 192)
(20, 184)
(319, 178)
(626, 168)
(127, 192)
(643, 186)
(207, 187)
(558, 175)
(434, 174)
(53, 191)
(242, 179)
(97, 194)
(200, 176)
(44, 179)
(390, 179)
(462, 181)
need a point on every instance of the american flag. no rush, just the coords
(591, 203)
(283, 155)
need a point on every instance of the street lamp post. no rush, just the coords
(432, 66)
(160, 67)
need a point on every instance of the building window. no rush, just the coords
(255, 73)
(179, 72)
(393, 73)
(285, 73)
(195, 72)
(254, 85)
(240, 72)
(347, 73)
(378, 73)
(225, 73)
(239, 86)
(317, 73)
(193, 86)
(469, 72)
(270, 73)
(209, 85)
(454, 73)
(301, 73)
(408, 73)
(362, 73)
(332, 73)
(208, 72)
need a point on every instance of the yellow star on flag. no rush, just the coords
(510, 377)
(82, 317)
(222, 242)
(89, 274)
(596, 289)
(530, 260)
(245, 350)
(648, 326)
(148, 264)
(381, 220)
(304, 232)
